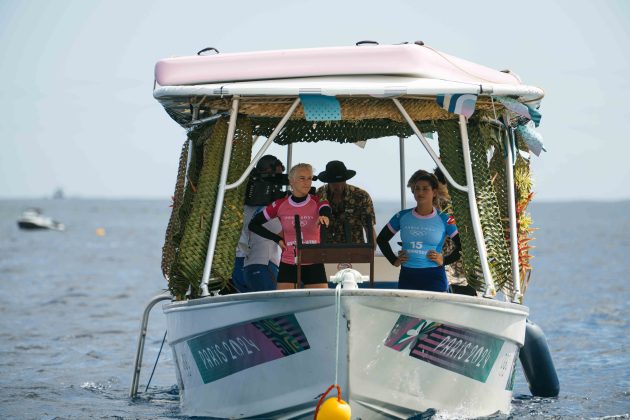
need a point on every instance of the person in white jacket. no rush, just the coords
(257, 258)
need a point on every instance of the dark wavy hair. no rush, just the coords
(422, 175)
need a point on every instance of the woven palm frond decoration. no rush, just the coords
(451, 155)
(187, 267)
(178, 279)
(496, 140)
(498, 177)
(523, 195)
(232, 215)
(174, 223)
(482, 136)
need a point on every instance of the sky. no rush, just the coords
(77, 112)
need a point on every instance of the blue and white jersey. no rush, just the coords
(420, 234)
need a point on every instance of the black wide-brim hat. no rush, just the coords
(336, 171)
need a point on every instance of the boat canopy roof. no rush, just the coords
(376, 86)
(194, 88)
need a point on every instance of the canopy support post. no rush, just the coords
(509, 170)
(265, 146)
(427, 146)
(474, 212)
(218, 208)
(289, 156)
(403, 197)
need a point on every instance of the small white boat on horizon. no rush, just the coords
(33, 219)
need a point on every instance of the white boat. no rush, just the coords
(393, 353)
(32, 219)
(401, 352)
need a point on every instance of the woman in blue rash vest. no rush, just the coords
(422, 232)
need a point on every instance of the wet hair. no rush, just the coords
(297, 167)
(422, 175)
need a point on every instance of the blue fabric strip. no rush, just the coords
(321, 108)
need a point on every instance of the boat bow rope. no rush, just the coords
(337, 408)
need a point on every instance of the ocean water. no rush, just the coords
(71, 303)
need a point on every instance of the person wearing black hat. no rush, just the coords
(350, 204)
(257, 258)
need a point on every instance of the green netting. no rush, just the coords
(197, 209)
(196, 190)
(338, 131)
(484, 137)
(451, 155)
(174, 224)
(178, 283)
(498, 177)
(232, 215)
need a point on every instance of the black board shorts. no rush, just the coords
(311, 274)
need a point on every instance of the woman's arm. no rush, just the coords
(325, 213)
(443, 260)
(455, 253)
(383, 244)
(256, 226)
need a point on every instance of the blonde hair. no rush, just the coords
(297, 167)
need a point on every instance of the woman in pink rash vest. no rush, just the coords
(313, 211)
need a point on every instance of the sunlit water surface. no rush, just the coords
(71, 302)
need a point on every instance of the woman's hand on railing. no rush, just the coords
(323, 220)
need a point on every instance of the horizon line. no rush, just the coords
(393, 200)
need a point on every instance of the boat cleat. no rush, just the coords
(348, 278)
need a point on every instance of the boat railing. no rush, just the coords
(133, 391)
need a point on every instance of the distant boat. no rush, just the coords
(58, 194)
(33, 219)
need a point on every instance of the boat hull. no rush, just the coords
(31, 225)
(272, 354)
(40, 225)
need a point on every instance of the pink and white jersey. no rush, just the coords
(285, 209)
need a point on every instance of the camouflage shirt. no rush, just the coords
(354, 208)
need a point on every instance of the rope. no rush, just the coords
(321, 400)
(156, 362)
(336, 384)
(338, 311)
(465, 71)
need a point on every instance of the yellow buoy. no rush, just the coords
(334, 409)
(100, 232)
